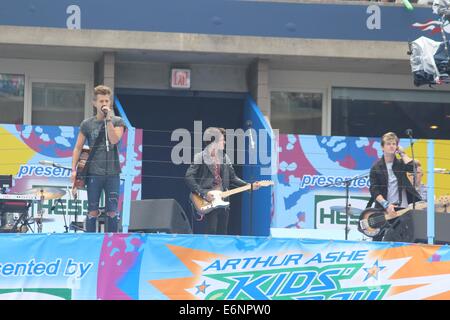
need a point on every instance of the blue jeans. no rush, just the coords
(95, 185)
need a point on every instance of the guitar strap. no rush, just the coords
(97, 142)
(370, 202)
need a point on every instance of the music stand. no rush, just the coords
(347, 196)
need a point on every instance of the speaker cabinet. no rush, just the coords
(441, 231)
(158, 215)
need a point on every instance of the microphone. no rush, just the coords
(252, 142)
(409, 132)
(105, 111)
(50, 163)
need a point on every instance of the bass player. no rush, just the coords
(391, 189)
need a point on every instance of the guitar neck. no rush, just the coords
(418, 206)
(236, 190)
(398, 213)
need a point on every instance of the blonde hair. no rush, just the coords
(388, 137)
(102, 90)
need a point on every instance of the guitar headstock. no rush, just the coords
(419, 205)
(266, 183)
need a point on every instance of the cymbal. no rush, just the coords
(46, 192)
(351, 211)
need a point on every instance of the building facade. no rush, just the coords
(313, 67)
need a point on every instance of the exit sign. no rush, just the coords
(180, 78)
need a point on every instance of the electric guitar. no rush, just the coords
(80, 179)
(203, 206)
(373, 220)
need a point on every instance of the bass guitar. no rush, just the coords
(203, 206)
(373, 220)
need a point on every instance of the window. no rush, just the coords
(57, 103)
(12, 88)
(373, 112)
(296, 112)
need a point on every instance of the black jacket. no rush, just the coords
(379, 180)
(200, 176)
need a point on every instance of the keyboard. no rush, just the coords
(30, 197)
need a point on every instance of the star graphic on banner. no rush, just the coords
(202, 287)
(373, 271)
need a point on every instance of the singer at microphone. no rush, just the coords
(102, 133)
(390, 188)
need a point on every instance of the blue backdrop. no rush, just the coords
(230, 17)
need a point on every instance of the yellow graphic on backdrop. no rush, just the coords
(441, 160)
(14, 153)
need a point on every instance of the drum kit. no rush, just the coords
(14, 209)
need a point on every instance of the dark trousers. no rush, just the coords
(217, 221)
(400, 229)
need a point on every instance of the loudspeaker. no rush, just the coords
(442, 227)
(158, 215)
(5, 182)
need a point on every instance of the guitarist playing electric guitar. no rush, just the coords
(212, 171)
(392, 190)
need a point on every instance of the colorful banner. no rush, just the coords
(23, 147)
(195, 267)
(310, 193)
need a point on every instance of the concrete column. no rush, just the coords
(105, 70)
(109, 59)
(258, 84)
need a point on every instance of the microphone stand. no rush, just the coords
(251, 204)
(251, 149)
(409, 133)
(347, 196)
(105, 114)
(64, 215)
(106, 136)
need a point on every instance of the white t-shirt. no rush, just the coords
(392, 195)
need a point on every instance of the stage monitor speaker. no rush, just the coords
(158, 215)
(441, 231)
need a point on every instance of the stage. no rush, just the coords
(138, 266)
